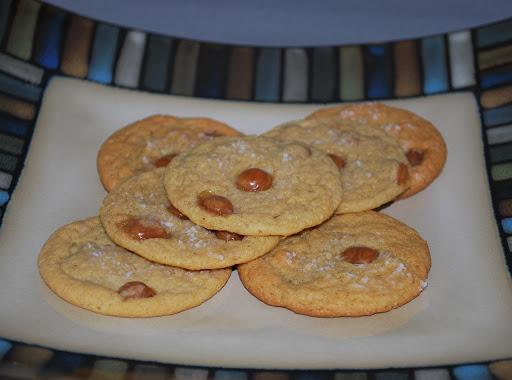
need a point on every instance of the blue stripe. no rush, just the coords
(495, 77)
(472, 372)
(507, 225)
(212, 76)
(230, 375)
(497, 116)
(14, 127)
(4, 197)
(377, 62)
(65, 361)
(5, 346)
(20, 89)
(103, 54)
(49, 52)
(435, 74)
(268, 75)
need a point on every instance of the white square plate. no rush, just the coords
(463, 316)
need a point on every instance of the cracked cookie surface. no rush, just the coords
(373, 167)
(210, 185)
(152, 142)
(85, 268)
(319, 272)
(420, 140)
(137, 215)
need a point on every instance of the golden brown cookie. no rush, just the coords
(373, 167)
(84, 267)
(422, 143)
(138, 216)
(254, 185)
(351, 265)
(152, 142)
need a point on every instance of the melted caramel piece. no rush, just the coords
(173, 210)
(135, 289)
(142, 229)
(415, 157)
(340, 162)
(204, 194)
(402, 175)
(215, 203)
(359, 255)
(228, 236)
(254, 179)
(164, 160)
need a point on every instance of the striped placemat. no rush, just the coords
(39, 41)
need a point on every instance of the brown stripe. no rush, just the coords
(495, 57)
(18, 108)
(496, 97)
(76, 48)
(505, 207)
(407, 71)
(241, 74)
(501, 369)
(271, 375)
(30, 357)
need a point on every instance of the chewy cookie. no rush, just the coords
(373, 166)
(84, 267)
(152, 142)
(351, 265)
(254, 185)
(422, 143)
(138, 216)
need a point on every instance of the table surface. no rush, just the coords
(293, 22)
(423, 56)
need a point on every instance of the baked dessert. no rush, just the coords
(84, 267)
(138, 216)
(254, 185)
(351, 265)
(421, 141)
(153, 142)
(373, 167)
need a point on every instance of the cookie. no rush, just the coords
(84, 267)
(254, 185)
(373, 166)
(351, 265)
(421, 141)
(138, 216)
(153, 142)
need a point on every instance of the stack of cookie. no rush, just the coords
(292, 209)
(82, 264)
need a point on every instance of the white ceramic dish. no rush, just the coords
(463, 316)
